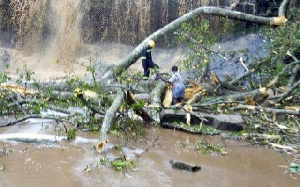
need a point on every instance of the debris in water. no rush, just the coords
(184, 166)
(295, 168)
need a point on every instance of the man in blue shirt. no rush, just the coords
(147, 60)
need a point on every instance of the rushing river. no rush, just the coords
(63, 164)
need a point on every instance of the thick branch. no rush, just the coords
(32, 138)
(156, 100)
(282, 8)
(28, 117)
(201, 45)
(109, 116)
(139, 110)
(296, 70)
(135, 54)
(287, 92)
(264, 109)
(240, 96)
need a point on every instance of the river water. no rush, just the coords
(63, 164)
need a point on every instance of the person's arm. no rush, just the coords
(173, 78)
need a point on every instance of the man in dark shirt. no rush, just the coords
(147, 60)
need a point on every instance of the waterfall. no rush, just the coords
(64, 18)
(51, 31)
(44, 32)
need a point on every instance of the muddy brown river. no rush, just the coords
(63, 164)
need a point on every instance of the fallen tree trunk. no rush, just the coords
(156, 106)
(32, 138)
(36, 116)
(206, 10)
(258, 93)
(108, 119)
(41, 138)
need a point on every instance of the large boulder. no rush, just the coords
(225, 122)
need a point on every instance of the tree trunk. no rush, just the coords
(155, 106)
(108, 119)
(206, 10)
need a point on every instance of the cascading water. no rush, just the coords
(45, 32)
(64, 18)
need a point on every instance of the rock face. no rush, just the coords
(248, 48)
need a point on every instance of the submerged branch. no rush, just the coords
(40, 116)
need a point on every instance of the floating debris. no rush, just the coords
(184, 166)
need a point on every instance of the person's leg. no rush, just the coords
(175, 94)
(146, 70)
(154, 66)
(181, 92)
(180, 99)
(174, 101)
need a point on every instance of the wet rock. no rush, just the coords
(179, 116)
(220, 121)
(228, 122)
(184, 166)
(249, 47)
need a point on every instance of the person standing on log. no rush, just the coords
(148, 62)
(178, 86)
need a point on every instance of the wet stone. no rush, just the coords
(225, 122)
(228, 122)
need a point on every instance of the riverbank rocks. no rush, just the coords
(228, 122)
(225, 122)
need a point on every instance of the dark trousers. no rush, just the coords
(147, 65)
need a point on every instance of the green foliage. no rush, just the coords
(2, 168)
(25, 75)
(138, 105)
(4, 75)
(104, 161)
(295, 168)
(123, 164)
(88, 167)
(200, 37)
(127, 127)
(71, 134)
(120, 164)
(206, 147)
(283, 39)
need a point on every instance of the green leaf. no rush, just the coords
(295, 168)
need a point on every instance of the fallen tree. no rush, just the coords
(135, 54)
(103, 96)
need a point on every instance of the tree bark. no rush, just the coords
(32, 138)
(108, 119)
(206, 10)
(265, 109)
(156, 106)
(138, 110)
